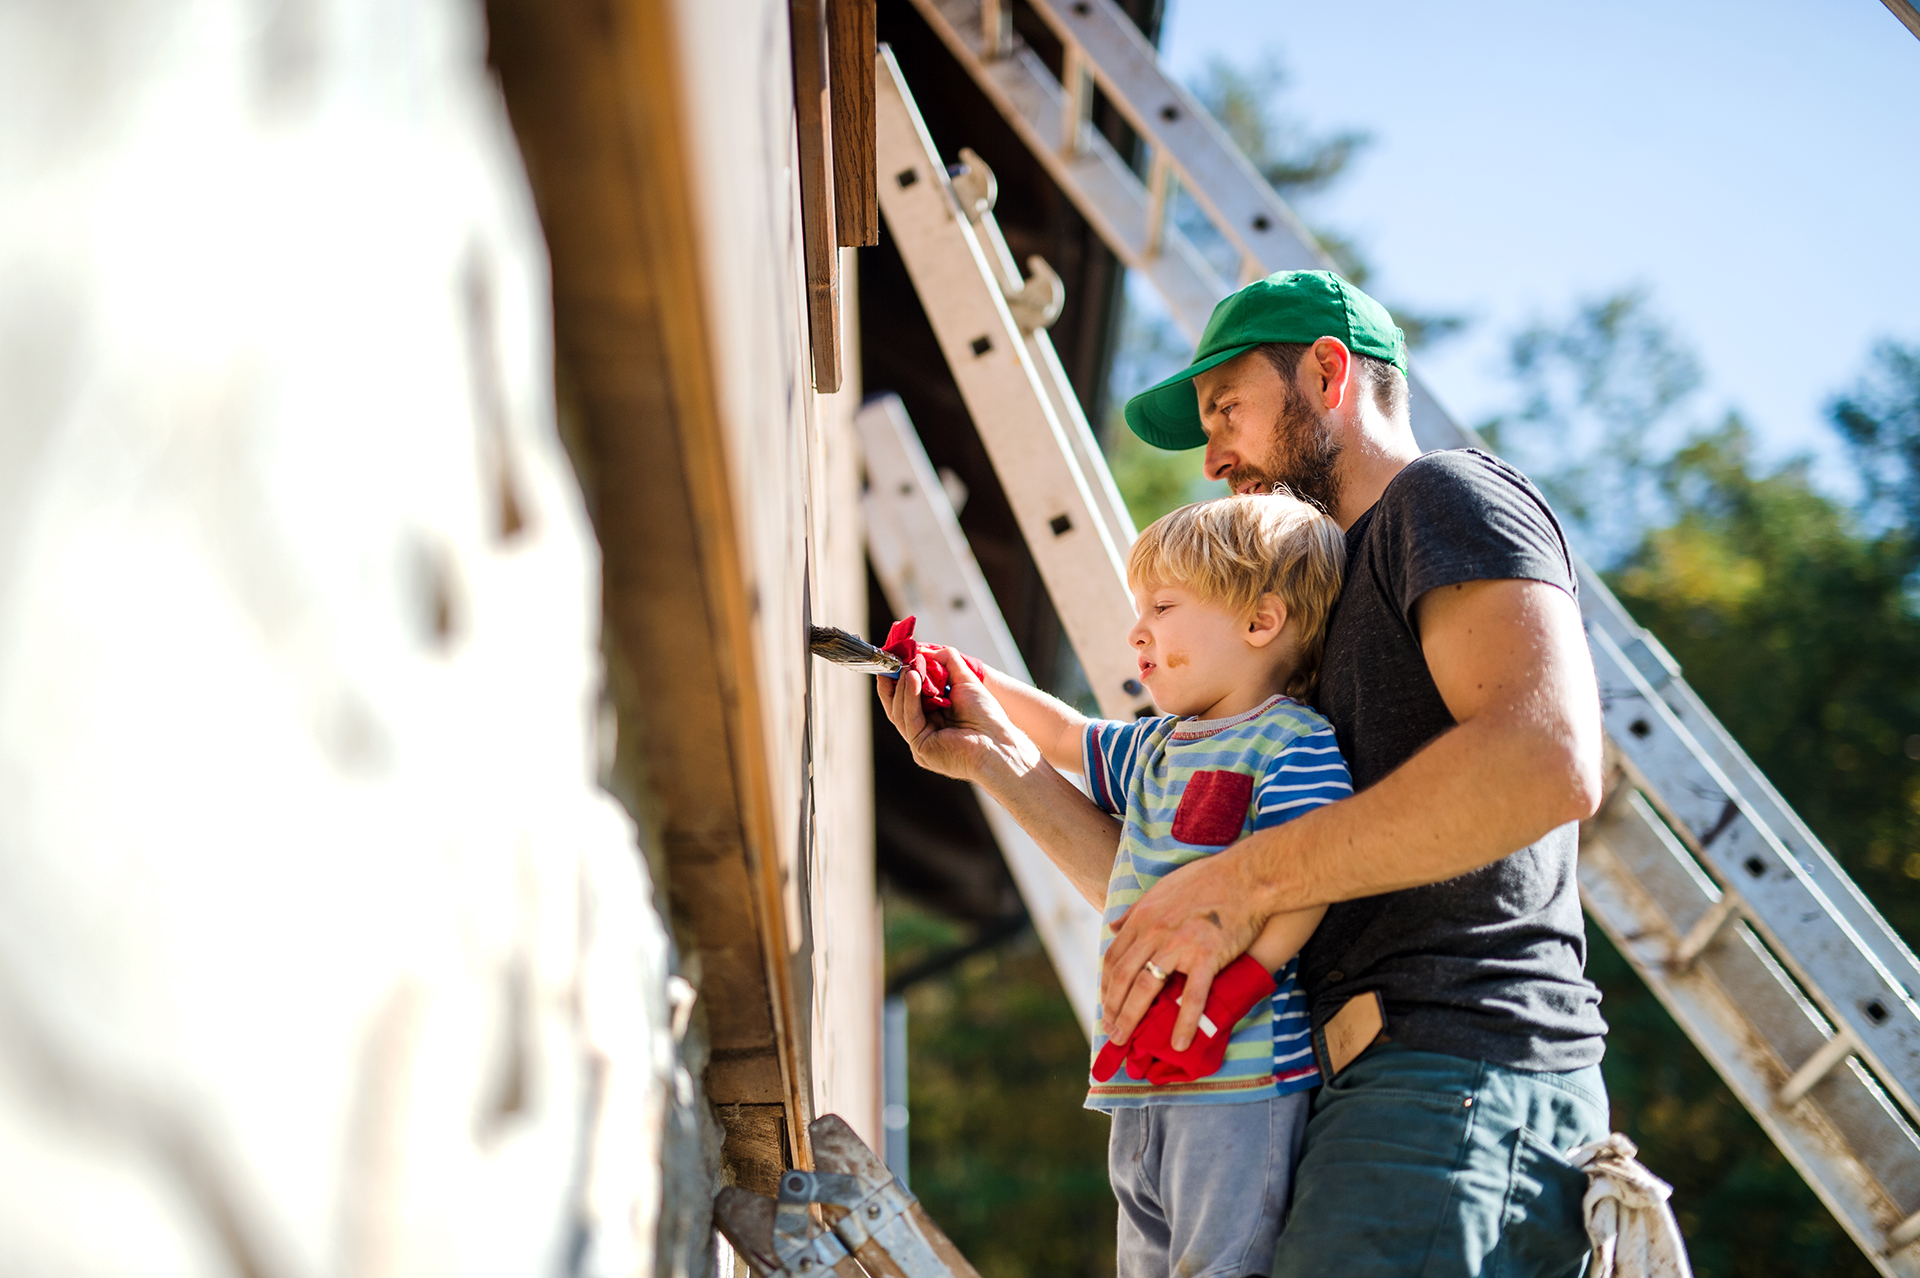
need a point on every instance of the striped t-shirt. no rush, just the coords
(1187, 788)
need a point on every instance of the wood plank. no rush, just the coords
(812, 104)
(596, 98)
(856, 189)
(756, 1149)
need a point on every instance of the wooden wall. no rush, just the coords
(389, 468)
(661, 137)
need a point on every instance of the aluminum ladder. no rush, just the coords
(1743, 925)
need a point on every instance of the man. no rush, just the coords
(1458, 1035)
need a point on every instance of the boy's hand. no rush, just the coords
(968, 739)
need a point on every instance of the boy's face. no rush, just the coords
(1195, 656)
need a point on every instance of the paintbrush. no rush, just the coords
(851, 651)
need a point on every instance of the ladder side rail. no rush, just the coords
(1601, 610)
(1434, 428)
(1852, 987)
(1237, 200)
(1054, 505)
(1820, 864)
(1108, 505)
(1101, 185)
(1744, 1012)
(1645, 652)
(1116, 203)
(925, 569)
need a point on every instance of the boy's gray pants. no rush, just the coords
(1203, 1188)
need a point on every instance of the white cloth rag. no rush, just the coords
(1633, 1231)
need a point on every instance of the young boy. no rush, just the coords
(1233, 598)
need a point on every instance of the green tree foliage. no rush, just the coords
(1793, 615)
(1880, 420)
(1603, 398)
(1000, 1149)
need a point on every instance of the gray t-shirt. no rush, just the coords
(1490, 965)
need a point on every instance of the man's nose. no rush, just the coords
(1218, 461)
(1138, 635)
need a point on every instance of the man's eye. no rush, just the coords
(1159, 608)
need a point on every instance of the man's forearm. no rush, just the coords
(1450, 809)
(1077, 836)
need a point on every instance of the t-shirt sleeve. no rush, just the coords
(1112, 751)
(1462, 515)
(1308, 774)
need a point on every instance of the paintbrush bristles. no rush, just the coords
(850, 650)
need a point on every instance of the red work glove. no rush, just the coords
(936, 684)
(1237, 990)
(1155, 1027)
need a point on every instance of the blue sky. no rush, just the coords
(1755, 164)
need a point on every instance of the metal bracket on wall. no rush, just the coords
(872, 1219)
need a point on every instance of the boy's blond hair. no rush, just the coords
(1233, 550)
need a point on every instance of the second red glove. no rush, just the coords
(1236, 990)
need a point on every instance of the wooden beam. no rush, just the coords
(856, 188)
(596, 96)
(813, 109)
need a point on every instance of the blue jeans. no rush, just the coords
(1420, 1165)
(1203, 1188)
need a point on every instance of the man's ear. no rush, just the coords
(1267, 621)
(1330, 364)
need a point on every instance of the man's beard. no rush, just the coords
(1304, 458)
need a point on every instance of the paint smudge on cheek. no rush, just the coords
(1175, 660)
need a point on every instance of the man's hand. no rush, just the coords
(1196, 920)
(968, 741)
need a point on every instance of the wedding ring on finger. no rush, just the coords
(1153, 967)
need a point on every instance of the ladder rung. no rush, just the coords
(1077, 109)
(1159, 192)
(1705, 932)
(1818, 1066)
(1748, 1018)
(1904, 1234)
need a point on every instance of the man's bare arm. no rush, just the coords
(976, 741)
(1510, 660)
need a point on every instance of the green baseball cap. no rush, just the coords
(1289, 306)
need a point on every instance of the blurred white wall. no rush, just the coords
(321, 952)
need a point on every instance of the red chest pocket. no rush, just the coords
(1213, 808)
